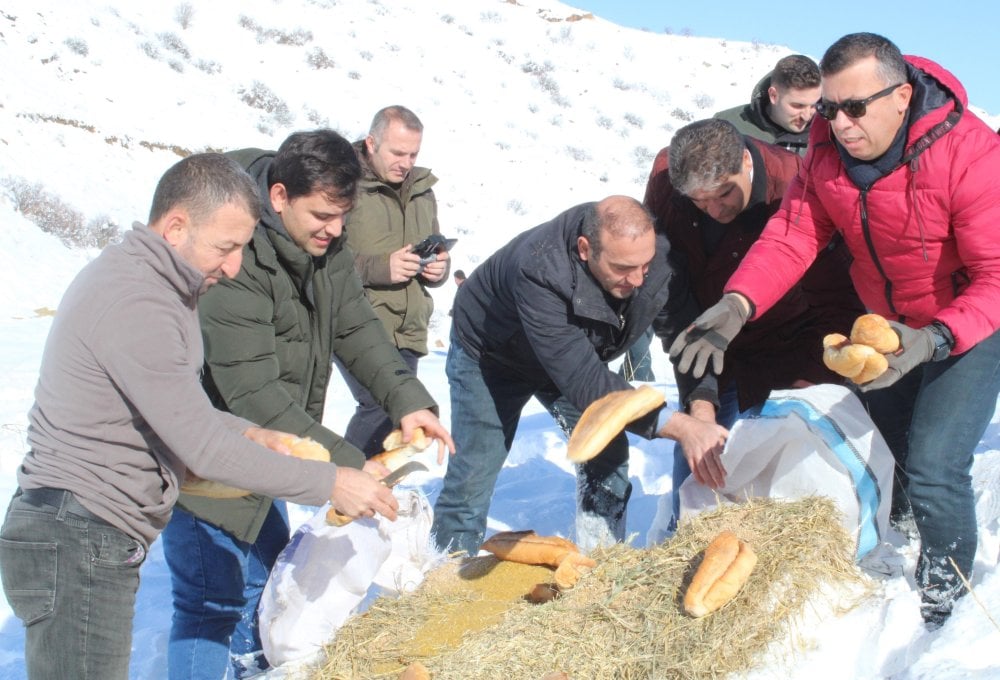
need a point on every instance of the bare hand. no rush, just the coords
(375, 469)
(435, 271)
(426, 419)
(404, 264)
(358, 494)
(703, 443)
(272, 439)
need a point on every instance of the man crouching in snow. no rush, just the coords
(541, 318)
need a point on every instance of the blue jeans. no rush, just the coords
(638, 364)
(486, 403)
(370, 424)
(71, 578)
(726, 415)
(933, 419)
(217, 581)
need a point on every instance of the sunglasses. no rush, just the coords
(852, 108)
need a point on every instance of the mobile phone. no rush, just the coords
(435, 243)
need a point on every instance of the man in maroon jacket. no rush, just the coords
(900, 168)
(712, 191)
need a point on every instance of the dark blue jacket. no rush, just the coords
(534, 309)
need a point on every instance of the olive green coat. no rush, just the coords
(384, 219)
(269, 335)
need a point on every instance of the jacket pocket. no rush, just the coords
(28, 571)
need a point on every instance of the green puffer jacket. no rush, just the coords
(383, 220)
(269, 334)
(752, 120)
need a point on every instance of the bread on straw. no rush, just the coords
(605, 418)
(301, 447)
(724, 569)
(873, 330)
(527, 547)
(858, 362)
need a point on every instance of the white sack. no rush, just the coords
(325, 572)
(814, 441)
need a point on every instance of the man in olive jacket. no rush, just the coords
(781, 105)
(395, 209)
(269, 334)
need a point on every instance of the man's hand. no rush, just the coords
(703, 443)
(434, 271)
(710, 335)
(272, 439)
(426, 419)
(404, 264)
(916, 345)
(702, 410)
(357, 494)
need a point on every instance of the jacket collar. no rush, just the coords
(165, 261)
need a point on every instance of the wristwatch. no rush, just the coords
(944, 341)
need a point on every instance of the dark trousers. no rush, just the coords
(71, 578)
(370, 424)
(933, 419)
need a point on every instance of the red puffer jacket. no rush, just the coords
(925, 237)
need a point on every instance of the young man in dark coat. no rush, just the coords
(712, 191)
(540, 318)
(269, 335)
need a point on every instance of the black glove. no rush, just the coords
(916, 345)
(709, 336)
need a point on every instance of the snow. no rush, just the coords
(526, 114)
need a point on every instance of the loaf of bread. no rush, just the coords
(873, 330)
(605, 418)
(723, 571)
(395, 452)
(860, 363)
(301, 447)
(527, 547)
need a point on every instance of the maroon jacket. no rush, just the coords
(785, 344)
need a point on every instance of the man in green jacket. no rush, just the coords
(781, 105)
(269, 333)
(394, 210)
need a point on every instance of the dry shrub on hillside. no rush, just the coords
(54, 216)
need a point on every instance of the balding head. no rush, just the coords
(618, 243)
(617, 217)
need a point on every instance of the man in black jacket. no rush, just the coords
(541, 318)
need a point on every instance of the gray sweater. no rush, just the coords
(119, 411)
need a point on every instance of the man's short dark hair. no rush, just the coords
(395, 112)
(202, 183)
(459, 274)
(318, 160)
(854, 47)
(796, 71)
(705, 153)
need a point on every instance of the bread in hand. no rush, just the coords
(860, 363)
(723, 571)
(396, 453)
(873, 330)
(606, 417)
(301, 447)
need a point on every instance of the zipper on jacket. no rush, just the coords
(866, 230)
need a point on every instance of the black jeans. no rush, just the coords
(370, 424)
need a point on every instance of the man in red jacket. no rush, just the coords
(901, 168)
(712, 191)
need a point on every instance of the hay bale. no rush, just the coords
(623, 620)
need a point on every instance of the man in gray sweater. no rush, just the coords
(120, 416)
